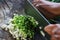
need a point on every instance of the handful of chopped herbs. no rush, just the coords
(22, 27)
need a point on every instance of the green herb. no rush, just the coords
(23, 26)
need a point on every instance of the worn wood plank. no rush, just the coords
(7, 9)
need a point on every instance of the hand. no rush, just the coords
(49, 28)
(50, 9)
(54, 31)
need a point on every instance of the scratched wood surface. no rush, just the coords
(7, 9)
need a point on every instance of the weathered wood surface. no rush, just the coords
(7, 9)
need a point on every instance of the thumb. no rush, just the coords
(49, 28)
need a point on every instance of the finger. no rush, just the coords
(41, 3)
(50, 28)
(58, 25)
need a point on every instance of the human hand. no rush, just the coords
(50, 9)
(54, 31)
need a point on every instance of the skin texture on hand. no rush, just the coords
(52, 7)
(54, 31)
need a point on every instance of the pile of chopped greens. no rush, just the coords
(22, 26)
